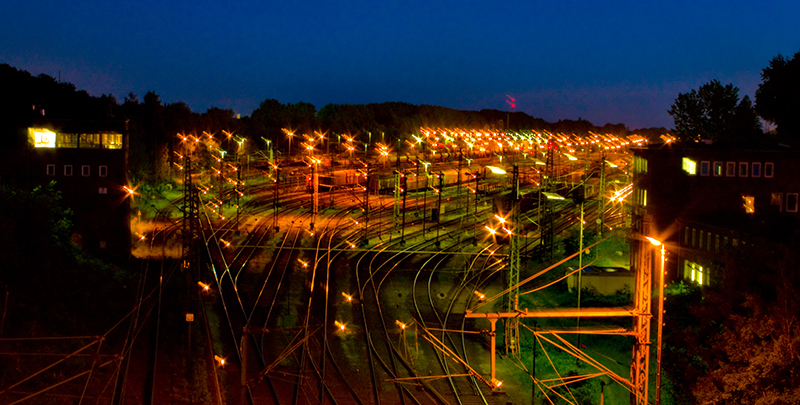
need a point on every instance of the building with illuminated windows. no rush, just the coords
(707, 202)
(88, 162)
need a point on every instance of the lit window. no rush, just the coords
(756, 170)
(111, 141)
(102, 190)
(689, 166)
(749, 204)
(639, 165)
(726, 242)
(717, 169)
(730, 169)
(743, 169)
(791, 202)
(89, 141)
(102, 244)
(696, 273)
(42, 138)
(705, 168)
(67, 170)
(776, 199)
(85, 170)
(51, 170)
(67, 140)
(102, 171)
(769, 169)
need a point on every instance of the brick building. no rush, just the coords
(708, 201)
(88, 162)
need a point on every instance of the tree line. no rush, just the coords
(153, 124)
(738, 341)
(715, 113)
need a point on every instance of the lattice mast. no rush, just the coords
(642, 259)
(191, 213)
(546, 208)
(512, 276)
(601, 213)
(398, 196)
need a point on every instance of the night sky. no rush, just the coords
(603, 61)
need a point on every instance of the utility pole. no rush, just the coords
(458, 182)
(439, 207)
(512, 275)
(405, 193)
(425, 200)
(315, 191)
(602, 209)
(191, 211)
(533, 365)
(398, 190)
(364, 239)
(642, 259)
(238, 193)
(475, 175)
(580, 273)
(221, 182)
(275, 205)
(416, 194)
(546, 232)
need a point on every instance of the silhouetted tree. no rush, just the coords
(179, 119)
(738, 341)
(44, 272)
(616, 129)
(778, 95)
(579, 127)
(268, 119)
(714, 112)
(755, 353)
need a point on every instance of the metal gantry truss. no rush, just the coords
(642, 264)
(640, 331)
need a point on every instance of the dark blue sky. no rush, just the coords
(604, 61)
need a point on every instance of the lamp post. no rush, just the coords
(290, 135)
(656, 242)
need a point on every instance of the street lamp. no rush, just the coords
(290, 135)
(656, 242)
(496, 170)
